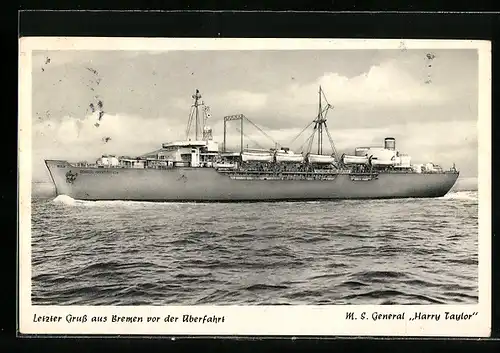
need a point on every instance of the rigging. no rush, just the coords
(242, 118)
(320, 126)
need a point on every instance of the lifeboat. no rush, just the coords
(318, 158)
(256, 157)
(289, 157)
(347, 159)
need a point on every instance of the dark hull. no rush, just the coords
(208, 185)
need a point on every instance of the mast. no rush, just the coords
(320, 122)
(320, 125)
(196, 98)
(194, 113)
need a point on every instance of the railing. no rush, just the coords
(279, 176)
(277, 171)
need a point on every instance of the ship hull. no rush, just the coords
(206, 184)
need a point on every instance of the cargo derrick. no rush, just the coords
(282, 159)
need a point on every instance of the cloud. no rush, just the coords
(271, 87)
(383, 85)
(384, 92)
(386, 84)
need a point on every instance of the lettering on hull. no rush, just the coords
(105, 171)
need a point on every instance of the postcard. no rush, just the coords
(254, 187)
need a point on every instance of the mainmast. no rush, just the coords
(320, 126)
(320, 121)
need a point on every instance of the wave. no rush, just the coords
(461, 195)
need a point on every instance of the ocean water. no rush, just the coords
(407, 251)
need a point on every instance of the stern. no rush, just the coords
(449, 180)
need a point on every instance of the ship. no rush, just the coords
(202, 170)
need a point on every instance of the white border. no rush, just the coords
(255, 320)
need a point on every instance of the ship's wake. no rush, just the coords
(65, 200)
(69, 201)
(461, 195)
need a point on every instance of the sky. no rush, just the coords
(428, 103)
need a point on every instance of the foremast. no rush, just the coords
(201, 129)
